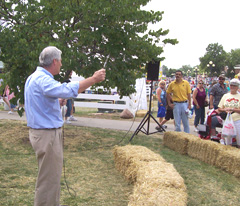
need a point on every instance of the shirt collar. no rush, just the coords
(175, 81)
(41, 69)
(220, 85)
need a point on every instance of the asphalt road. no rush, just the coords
(105, 123)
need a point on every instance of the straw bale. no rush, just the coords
(229, 160)
(177, 141)
(141, 113)
(156, 181)
(160, 173)
(132, 169)
(129, 158)
(204, 150)
(194, 147)
(145, 195)
(134, 151)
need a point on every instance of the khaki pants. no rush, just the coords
(48, 146)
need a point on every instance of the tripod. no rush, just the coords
(145, 119)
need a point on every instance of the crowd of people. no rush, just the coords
(178, 97)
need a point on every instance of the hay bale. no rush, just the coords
(156, 181)
(229, 160)
(145, 195)
(177, 141)
(204, 150)
(141, 113)
(129, 158)
(160, 173)
(193, 148)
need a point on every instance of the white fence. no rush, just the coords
(107, 101)
(104, 101)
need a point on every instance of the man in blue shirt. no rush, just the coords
(216, 93)
(44, 120)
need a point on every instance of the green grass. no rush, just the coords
(90, 171)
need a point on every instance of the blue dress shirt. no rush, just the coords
(41, 95)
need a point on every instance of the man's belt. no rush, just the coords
(180, 102)
(47, 128)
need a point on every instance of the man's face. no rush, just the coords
(221, 80)
(57, 65)
(178, 75)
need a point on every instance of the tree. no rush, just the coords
(187, 70)
(171, 72)
(86, 31)
(164, 70)
(232, 61)
(216, 54)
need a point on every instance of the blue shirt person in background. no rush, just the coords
(44, 120)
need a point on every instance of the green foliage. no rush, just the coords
(86, 31)
(233, 60)
(216, 54)
(187, 70)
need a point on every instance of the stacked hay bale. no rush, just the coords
(156, 181)
(222, 156)
(177, 141)
(204, 150)
(229, 160)
(129, 158)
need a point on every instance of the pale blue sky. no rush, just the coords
(196, 24)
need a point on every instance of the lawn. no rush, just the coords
(89, 169)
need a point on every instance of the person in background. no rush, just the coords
(7, 96)
(69, 113)
(44, 119)
(210, 87)
(199, 98)
(206, 89)
(216, 93)
(162, 101)
(181, 97)
(230, 102)
(168, 116)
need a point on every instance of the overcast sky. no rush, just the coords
(196, 24)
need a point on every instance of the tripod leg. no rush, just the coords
(146, 117)
(158, 123)
(147, 120)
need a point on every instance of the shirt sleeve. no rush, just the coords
(169, 89)
(55, 89)
(212, 90)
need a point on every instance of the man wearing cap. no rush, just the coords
(230, 102)
(181, 97)
(217, 91)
